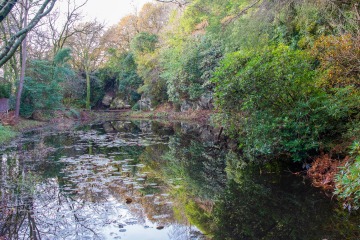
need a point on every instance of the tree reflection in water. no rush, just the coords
(130, 180)
(74, 186)
(36, 208)
(263, 202)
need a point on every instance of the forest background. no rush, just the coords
(281, 76)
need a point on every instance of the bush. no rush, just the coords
(42, 88)
(136, 107)
(339, 60)
(5, 90)
(282, 110)
(347, 180)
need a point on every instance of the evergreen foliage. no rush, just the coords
(5, 90)
(43, 90)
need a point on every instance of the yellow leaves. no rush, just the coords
(339, 58)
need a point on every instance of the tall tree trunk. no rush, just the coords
(23, 65)
(87, 73)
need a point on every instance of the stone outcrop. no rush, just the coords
(186, 106)
(145, 104)
(107, 99)
(205, 102)
(118, 103)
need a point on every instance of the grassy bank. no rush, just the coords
(6, 134)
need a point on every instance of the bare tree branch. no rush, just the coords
(180, 3)
(231, 19)
(68, 29)
(14, 42)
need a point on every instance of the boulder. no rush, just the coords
(108, 127)
(117, 103)
(186, 106)
(145, 126)
(144, 104)
(205, 102)
(107, 99)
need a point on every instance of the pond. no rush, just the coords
(151, 180)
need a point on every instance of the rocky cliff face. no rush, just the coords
(205, 102)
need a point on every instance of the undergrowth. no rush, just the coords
(6, 134)
(347, 182)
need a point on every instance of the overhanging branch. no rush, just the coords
(5, 8)
(7, 51)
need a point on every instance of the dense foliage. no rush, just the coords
(5, 90)
(43, 90)
(283, 76)
(282, 110)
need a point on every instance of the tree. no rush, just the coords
(5, 8)
(153, 17)
(120, 35)
(147, 58)
(188, 68)
(121, 71)
(9, 47)
(87, 51)
(61, 33)
(23, 62)
(180, 3)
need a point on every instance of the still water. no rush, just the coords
(151, 180)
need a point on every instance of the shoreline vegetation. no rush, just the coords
(322, 171)
(67, 119)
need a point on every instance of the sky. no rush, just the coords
(111, 11)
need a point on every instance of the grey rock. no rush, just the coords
(107, 99)
(117, 103)
(145, 104)
(186, 106)
(205, 102)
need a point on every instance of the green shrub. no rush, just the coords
(42, 89)
(136, 107)
(348, 181)
(189, 67)
(272, 105)
(5, 90)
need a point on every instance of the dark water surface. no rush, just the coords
(147, 180)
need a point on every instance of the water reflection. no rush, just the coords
(149, 180)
